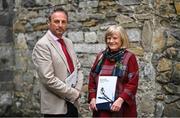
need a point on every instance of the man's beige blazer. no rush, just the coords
(52, 68)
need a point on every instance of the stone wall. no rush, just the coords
(154, 30)
(6, 55)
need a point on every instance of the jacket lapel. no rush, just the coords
(58, 49)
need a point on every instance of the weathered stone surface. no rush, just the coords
(164, 65)
(6, 100)
(171, 53)
(90, 23)
(90, 37)
(40, 27)
(6, 57)
(122, 19)
(147, 107)
(21, 61)
(37, 21)
(1, 5)
(90, 4)
(177, 6)
(78, 16)
(42, 2)
(28, 3)
(176, 33)
(19, 27)
(159, 109)
(147, 35)
(172, 88)
(134, 35)
(137, 51)
(101, 37)
(20, 42)
(176, 74)
(6, 75)
(158, 41)
(143, 16)
(6, 18)
(171, 110)
(87, 60)
(55, 2)
(6, 86)
(164, 77)
(90, 48)
(6, 35)
(129, 2)
(171, 98)
(171, 41)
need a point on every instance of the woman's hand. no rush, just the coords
(116, 106)
(92, 105)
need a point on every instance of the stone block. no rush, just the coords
(90, 37)
(164, 65)
(6, 57)
(6, 86)
(6, 18)
(28, 3)
(6, 75)
(5, 102)
(158, 42)
(123, 19)
(134, 35)
(129, 2)
(171, 110)
(41, 2)
(147, 35)
(90, 4)
(89, 48)
(87, 60)
(6, 34)
(176, 74)
(159, 109)
(76, 36)
(55, 2)
(1, 5)
(177, 6)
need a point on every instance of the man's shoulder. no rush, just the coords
(67, 39)
(43, 40)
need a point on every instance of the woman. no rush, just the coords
(115, 60)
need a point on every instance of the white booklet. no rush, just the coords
(106, 92)
(71, 80)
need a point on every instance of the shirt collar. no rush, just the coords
(52, 35)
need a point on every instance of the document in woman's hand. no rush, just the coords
(106, 92)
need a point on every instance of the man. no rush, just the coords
(58, 68)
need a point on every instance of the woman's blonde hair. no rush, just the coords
(123, 34)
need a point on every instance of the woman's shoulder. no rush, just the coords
(129, 52)
(129, 55)
(100, 54)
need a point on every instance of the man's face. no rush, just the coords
(58, 23)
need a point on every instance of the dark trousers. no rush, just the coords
(71, 112)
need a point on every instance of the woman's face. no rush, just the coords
(114, 41)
